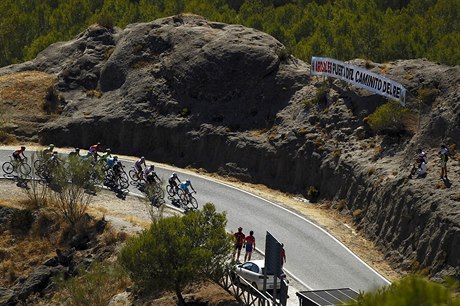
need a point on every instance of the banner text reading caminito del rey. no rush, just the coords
(360, 77)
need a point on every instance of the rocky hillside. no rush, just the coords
(230, 99)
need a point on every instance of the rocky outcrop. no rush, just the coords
(229, 99)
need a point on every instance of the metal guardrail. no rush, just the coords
(244, 292)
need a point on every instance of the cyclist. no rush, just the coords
(107, 154)
(150, 175)
(75, 153)
(17, 154)
(48, 151)
(172, 182)
(184, 187)
(117, 166)
(53, 161)
(111, 161)
(138, 165)
(93, 150)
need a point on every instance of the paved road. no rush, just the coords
(317, 259)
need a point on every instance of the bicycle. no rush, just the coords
(136, 176)
(155, 193)
(172, 191)
(113, 179)
(19, 166)
(188, 201)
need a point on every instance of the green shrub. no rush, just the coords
(95, 287)
(177, 251)
(411, 290)
(312, 193)
(185, 112)
(321, 93)
(388, 116)
(427, 95)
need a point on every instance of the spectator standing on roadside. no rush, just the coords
(250, 245)
(444, 154)
(239, 240)
(283, 255)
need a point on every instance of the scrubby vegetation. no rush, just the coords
(387, 117)
(177, 251)
(412, 290)
(371, 29)
(95, 287)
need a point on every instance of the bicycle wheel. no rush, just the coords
(183, 199)
(193, 203)
(24, 169)
(170, 190)
(37, 164)
(133, 175)
(8, 167)
(159, 191)
(123, 182)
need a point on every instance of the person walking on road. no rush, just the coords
(250, 245)
(239, 240)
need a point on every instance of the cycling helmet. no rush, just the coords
(51, 145)
(115, 157)
(108, 150)
(23, 148)
(152, 166)
(188, 182)
(77, 149)
(142, 158)
(175, 174)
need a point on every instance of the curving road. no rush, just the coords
(314, 257)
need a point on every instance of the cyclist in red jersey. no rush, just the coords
(17, 154)
(93, 150)
(250, 245)
(239, 240)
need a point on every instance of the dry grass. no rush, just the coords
(30, 249)
(23, 99)
(25, 91)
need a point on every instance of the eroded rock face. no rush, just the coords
(187, 91)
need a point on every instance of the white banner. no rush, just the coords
(360, 77)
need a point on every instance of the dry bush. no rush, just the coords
(341, 204)
(36, 192)
(94, 287)
(94, 93)
(371, 171)
(5, 137)
(109, 236)
(357, 213)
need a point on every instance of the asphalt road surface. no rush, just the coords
(315, 258)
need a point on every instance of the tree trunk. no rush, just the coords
(180, 299)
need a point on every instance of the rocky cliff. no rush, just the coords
(229, 99)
